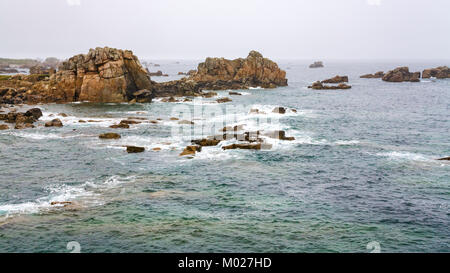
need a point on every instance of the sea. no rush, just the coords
(360, 176)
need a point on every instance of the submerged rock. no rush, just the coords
(109, 136)
(401, 74)
(135, 149)
(234, 93)
(248, 146)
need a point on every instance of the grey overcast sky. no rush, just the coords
(194, 29)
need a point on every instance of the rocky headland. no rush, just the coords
(114, 75)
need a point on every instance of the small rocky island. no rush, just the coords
(377, 75)
(114, 75)
(339, 80)
(401, 74)
(316, 65)
(441, 72)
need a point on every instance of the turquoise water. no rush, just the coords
(362, 169)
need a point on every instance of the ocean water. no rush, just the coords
(361, 169)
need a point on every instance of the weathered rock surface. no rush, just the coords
(316, 65)
(336, 79)
(255, 70)
(441, 72)
(320, 86)
(401, 74)
(377, 75)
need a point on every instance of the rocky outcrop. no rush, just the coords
(253, 71)
(102, 75)
(401, 74)
(191, 150)
(441, 72)
(316, 65)
(377, 75)
(54, 123)
(320, 86)
(22, 120)
(42, 70)
(336, 79)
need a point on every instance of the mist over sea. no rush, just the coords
(362, 168)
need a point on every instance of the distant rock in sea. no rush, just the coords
(401, 74)
(336, 79)
(316, 65)
(377, 75)
(441, 72)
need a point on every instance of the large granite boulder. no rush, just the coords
(441, 72)
(253, 71)
(401, 74)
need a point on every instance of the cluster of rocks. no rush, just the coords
(339, 80)
(21, 120)
(189, 73)
(316, 65)
(402, 74)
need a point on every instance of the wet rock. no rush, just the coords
(120, 126)
(234, 94)
(143, 96)
(336, 79)
(156, 149)
(127, 121)
(54, 123)
(36, 113)
(82, 121)
(209, 94)
(135, 149)
(377, 75)
(64, 115)
(174, 118)
(23, 125)
(109, 136)
(279, 110)
(401, 74)
(444, 158)
(4, 127)
(256, 111)
(223, 100)
(63, 203)
(191, 150)
(316, 65)
(206, 142)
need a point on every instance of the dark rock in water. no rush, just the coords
(234, 94)
(64, 115)
(54, 123)
(441, 72)
(377, 75)
(316, 65)
(23, 125)
(127, 121)
(157, 74)
(109, 136)
(223, 100)
(319, 86)
(444, 158)
(248, 146)
(191, 150)
(209, 94)
(279, 110)
(36, 113)
(401, 74)
(336, 79)
(143, 96)
(64, 203)
(4, 127)
(206, 142)
(134, 149)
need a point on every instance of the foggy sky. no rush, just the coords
(195, 29)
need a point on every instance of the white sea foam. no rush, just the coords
(396, 155)
(40, 136)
